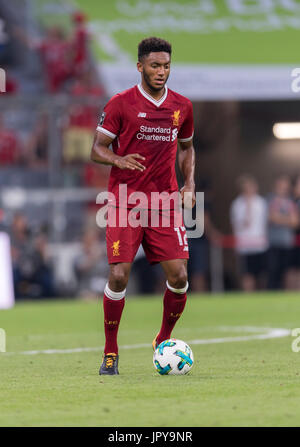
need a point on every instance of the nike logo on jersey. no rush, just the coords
(142, 115)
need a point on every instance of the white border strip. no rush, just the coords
(271, 333)
(107, 132)
(183, 140)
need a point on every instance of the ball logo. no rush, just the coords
(185, 359)
(162, 370)
(166, 343)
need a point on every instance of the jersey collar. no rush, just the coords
(149, 97)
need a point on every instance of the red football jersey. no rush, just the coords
(140, 124)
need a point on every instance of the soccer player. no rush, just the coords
(144, 124)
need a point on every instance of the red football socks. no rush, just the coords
(174, 303)
(113, 304)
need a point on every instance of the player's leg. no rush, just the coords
(122, 244)
(174, 297)
(113, 305)
(167, 244)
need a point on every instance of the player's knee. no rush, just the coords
(118, 280)
(178, 280)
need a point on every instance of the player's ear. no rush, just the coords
(139, 66)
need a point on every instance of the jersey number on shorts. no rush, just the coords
(182, 237)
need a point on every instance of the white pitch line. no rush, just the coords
(272, 333)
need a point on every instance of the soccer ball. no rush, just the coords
(173, 356)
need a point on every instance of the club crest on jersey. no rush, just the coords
(176, 116)
(116, 248)
(102, 118)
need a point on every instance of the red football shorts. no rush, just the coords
(161, 233)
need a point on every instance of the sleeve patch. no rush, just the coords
(101, 121)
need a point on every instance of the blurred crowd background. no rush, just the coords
(48, 186)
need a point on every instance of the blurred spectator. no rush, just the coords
(82, 120)
(149, 279)
(198, 264)
(10, 147)
(248, 213)
(4, 44)
(20, 246)
(294, 272)
(283, 220)
(83, 114)
(80, 44)
(91, 266)
(33, 276)
(42, 277)
(64, 59)
(36, 147)
(56, 54)
(79, 132)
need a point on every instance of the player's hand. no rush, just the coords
(130, 162)
(188, 200)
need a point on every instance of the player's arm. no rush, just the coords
(186, 162)
(102, 154)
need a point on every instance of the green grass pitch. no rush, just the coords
(251, 382)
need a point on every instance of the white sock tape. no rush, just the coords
(178, 290)
(114, 295)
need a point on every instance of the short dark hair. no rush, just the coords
(245, 178)
(153, 44)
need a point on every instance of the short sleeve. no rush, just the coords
(110, 119)
(186, 131)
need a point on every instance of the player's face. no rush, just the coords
(155, 69)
